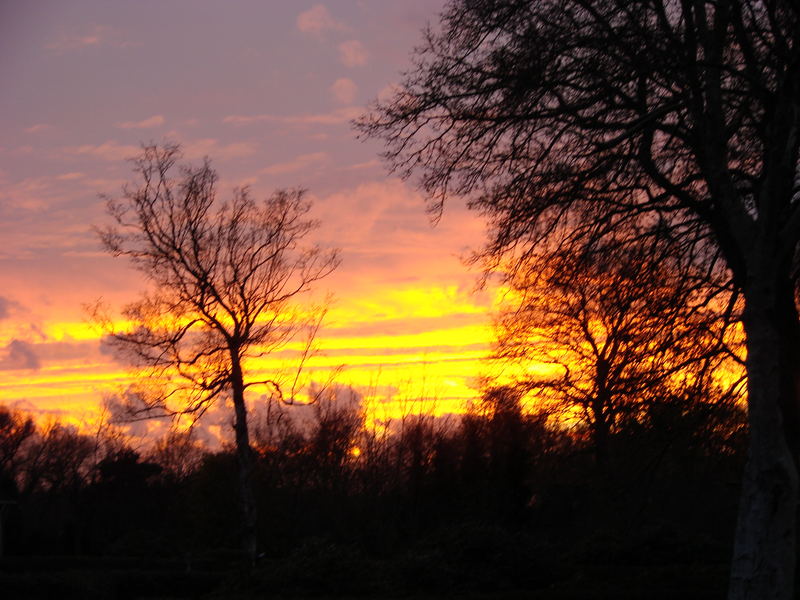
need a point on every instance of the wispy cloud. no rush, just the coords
(97, 35)
(5, 308)
(370, 164)
(344, 90)
(38, 128)
(303, 161)
(110, 150)
(147, 123)
(32, 194)
(18, 354)
(214, 149)
(71, 176)
(336, 117)
(317, 20)
(353, 54)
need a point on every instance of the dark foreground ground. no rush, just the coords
(500, 506)
(417, 577)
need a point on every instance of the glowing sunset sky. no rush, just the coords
(266, 89)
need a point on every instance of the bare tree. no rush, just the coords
(224, 278)
(617, 327)
(544, 110)
(15, 429)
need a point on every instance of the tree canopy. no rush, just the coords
(225, 280)
(598, 113)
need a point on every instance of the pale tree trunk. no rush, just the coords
(244, 455)
(764, 558)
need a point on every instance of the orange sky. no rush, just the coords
(267, 91)
(405, 320)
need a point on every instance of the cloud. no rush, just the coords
(5, 308)
(153, 121)
(317, 20)
(97, 35)
(112, 151)
(458, 310)
(370, 164)
(304, 161)
(37, 128)
(344, 90)
(353, 54)
(392, 237)
(337, 117)
(71, 176)
(66, 350)
(380, 205)
(214, 149)
(32, 194)
(389, 92)
(109, 150)
(18, 355)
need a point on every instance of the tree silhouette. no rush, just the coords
(224, 277)
(15, 429)
(541, 111)
(617, 326)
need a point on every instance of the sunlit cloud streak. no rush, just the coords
(94, 36)
(37, 128)
(304, 161)
(340, 116)
(148, 123)
(110, 150)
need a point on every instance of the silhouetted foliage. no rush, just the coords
(224, 278)
(498, 499)
(614, 329)
(596, 114)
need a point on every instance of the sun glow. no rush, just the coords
(425, 342)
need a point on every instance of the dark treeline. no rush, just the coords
(497, 499)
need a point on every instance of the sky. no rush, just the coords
(265, 89)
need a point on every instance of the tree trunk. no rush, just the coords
(601, 430)
(244, 454)
(763, 563)
(601, 443)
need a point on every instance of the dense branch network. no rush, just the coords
(224, 277)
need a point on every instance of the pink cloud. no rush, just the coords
(303, 161)
(39, 127)
(353, 54)
(98, 35)
(153, 121)
(109, 150)
(214, 149)
(344, 90)
(370, 164)
(337, 117)
(317, 20)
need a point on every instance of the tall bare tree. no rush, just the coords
(541, 109)
(225, 278)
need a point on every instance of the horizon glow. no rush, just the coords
(269, 101)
